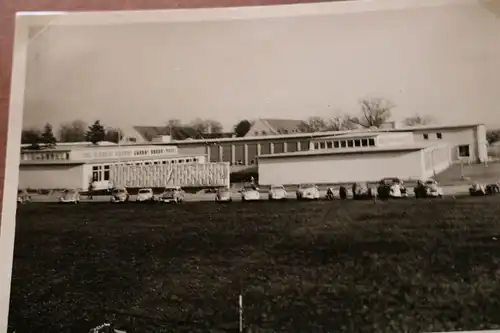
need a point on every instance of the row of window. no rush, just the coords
(345, 143)
(439, 136)
(45, 156)
(280, 131)
(101, 172)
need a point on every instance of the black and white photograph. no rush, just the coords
(325, 167)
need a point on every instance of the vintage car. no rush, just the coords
(277, 192)
(70, 196)
(391, 187)
(482, 190)
(428, 189)
(343, 193)
(174, 194)
(330, 194)
(307, 192)
(23, 196)
(145, 195)
(119, 194)
(362, 191)
(250, 193)
(223, 195)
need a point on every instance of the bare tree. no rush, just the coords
(340, 123)
(314, 124)
(374, 113)
(417, 120)
(72, 132)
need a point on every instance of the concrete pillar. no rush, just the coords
(245, 154)
(285, 147)
(299, 148)
(259, 149)
(208, 153)
(221, 154)
(271, 148)
(233, 155)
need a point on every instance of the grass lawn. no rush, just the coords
(405, 266)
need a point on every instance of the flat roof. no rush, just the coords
(108, 160)
(320, 134)
(343, 151)
(69, 148)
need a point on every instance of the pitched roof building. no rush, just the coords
(271, 126)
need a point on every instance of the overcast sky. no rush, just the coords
(443, 61)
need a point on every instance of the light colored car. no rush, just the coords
(362, 191)
(223, 195)
(391, 188)
(119, 194)
(145, 195)
(482, 190)
(70, 196)
(429, 188)
(23, 196)
(278, 192)
(307, 192)
(250, 193)
(174, 194)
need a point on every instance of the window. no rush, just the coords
(336, 144)
(364, 143)
(106, 172)
(96, 173)
(263, 132)
(463, 151)
(426, 136)
(164, 162)
(371, 142)
(439, 135)
(343, 144)
(322, 145)
(329, 145)
(316, 145)
(350, 143)
(285, 131)
(357, 143)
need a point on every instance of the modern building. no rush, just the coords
(75, 166)
(466, 143)
(356, 157)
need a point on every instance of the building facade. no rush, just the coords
(466, 143)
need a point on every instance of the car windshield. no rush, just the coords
(277, 187)
(144, 191)
(170, 190)
(119, 191)
(430, 182)
(69, 191)
(248, 188)
(224, 190)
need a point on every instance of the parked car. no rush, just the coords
(278, 192)
(119, 194)
(145, 195)
(308, 192)
(250, 193)
(362, 191)
(223, 195)
(174, 194)
(492, 189)
(391, 187)
(343, 193)
(330, 194)
(428, 189)
(70, 196)
(482, 190)
(23, 196)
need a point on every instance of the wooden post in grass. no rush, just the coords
(240, 307)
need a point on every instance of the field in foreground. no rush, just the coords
(408, 266)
